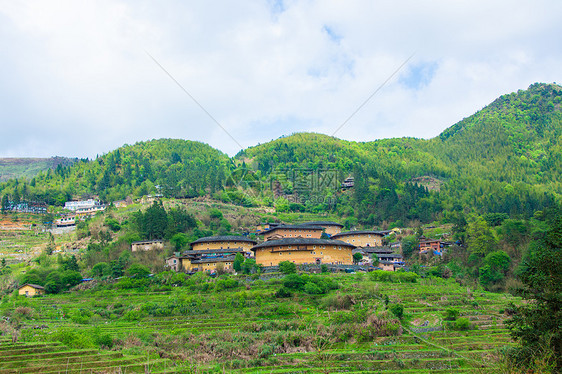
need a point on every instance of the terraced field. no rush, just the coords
(201, 328)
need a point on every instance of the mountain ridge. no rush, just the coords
(506, 157)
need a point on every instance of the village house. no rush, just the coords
(30, 290)
(204, 260)
(330, 228)
(66, 221)
(81, 204)
(387, 265)
(385, 256)
(303, 251)
(292, 231)
(364, 238)
(123, 203)
(89, 211)
(147, 245)
(431, 246)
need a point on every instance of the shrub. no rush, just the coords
(70, 278)
(101, 269)
(287, 267)
(337, 302)
(397, 310)
(313, 289)
(283, 292)
(462, 324)
(138, 271)
(113, 224)
(72, 338)
(294, 282)
(451, 314)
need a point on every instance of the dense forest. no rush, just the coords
(506, 158)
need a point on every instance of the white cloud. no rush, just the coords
(77, 82)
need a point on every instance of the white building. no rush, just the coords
(82, 204)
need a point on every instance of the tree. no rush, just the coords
(536, 324)
(357, 257)
(496, 264)
(5, 203)
(71, 264)
(409, 245)
(481, 239)
(179, 240)
(238, 260)
(154, 221)
(138, 271)
(70, 278)
(101, 269)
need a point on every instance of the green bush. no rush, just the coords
(462, 324)
(397, 310)
(113, 224)
(294, 282)
(395, 277)
(72, 338)
(287, 267)
(138, 271)
(101, 269)
(451, 314)
(283, 292)
(313, 289)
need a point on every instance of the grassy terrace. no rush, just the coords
(204, 326)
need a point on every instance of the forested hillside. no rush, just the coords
(174, 167)
(505, 158)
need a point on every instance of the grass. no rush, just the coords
(193, 328)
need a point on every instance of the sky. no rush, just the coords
(82, 78)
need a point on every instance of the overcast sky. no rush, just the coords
(77, 79)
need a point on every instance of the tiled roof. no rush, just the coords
(34, 286)
(360, 232)
(226, 238)
(207, 251)
(148, 241)
(292, 227)
(216, 259)
(301, 241)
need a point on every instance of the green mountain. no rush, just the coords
(506, 158)
(174, 167)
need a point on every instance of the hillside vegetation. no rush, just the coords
(505, 158)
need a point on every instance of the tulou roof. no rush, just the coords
(360, 232)
(206, 260)
(292, 227)
(301, 241)
(225, 238)
(210, 251)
